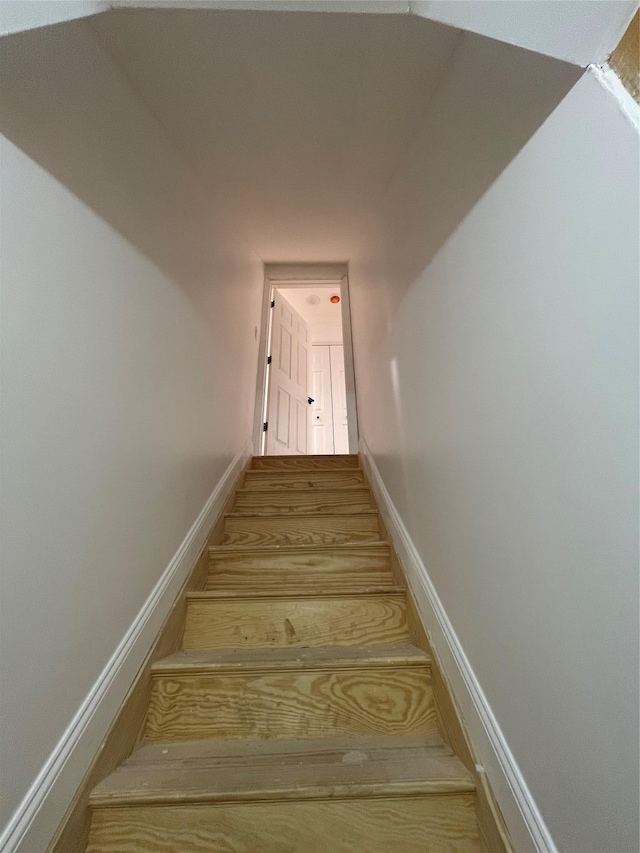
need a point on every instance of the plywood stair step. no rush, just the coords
(297, 715)
(335, 478)
(342, 795)
(267, 620)
(322, 501)
(312, 529)
(335, 658)
(301, 567)
(303, 463)
(291, 693)
(317, 591)
(243, 771)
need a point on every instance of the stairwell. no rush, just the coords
(299, 713)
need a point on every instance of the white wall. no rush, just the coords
(117, 424)
(498, 391)
(579, 31)
(126, 391)
(18, 15)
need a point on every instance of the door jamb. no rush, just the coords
(305, 275)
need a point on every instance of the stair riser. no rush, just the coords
(350, 621)
(303, 463)
(338, 566)
(326, 502)
(290, 581)
(291, 704)
(437, 823)
(302, 480)
(305, 530)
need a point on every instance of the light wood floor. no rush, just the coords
(298, 716)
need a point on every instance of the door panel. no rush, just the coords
(321, 412)
(282, 416)
(284, 359)
(302, 417)
(339, 400)
(287, 406)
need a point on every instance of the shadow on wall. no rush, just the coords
(493, 100)
(67, 105)
(489, 105)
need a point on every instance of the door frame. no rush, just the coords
(305, 275)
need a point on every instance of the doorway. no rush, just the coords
(305, 402)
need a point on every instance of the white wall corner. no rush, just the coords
(577, 31)
(524, 821)
(35, 821)
(609, 80)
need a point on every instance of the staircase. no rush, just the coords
(298, 717)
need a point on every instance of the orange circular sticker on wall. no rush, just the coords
(334, 299)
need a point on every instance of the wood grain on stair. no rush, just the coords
(331, 658)
(303, 463)
(307, 701)
(301, 530)
(337, 478)
(297, 717)
(295, 621)
(327, 502)
(299, 567)
(443, 823)
(242, 771)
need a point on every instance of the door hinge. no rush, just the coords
(268, 359)
(273, 303)
(265, 426)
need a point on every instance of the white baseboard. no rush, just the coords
(524, 821)
(38, 816)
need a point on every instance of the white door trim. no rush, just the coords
(305, 275)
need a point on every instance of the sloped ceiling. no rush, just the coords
(293, 122)
(279, 132)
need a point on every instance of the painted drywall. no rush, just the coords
(18, 15)
(578, 31)
(498, 391)
(117, 419)
(296, 120)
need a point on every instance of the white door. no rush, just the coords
(339, 399)
(287, 406)
(321, 409)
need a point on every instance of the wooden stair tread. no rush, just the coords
(299, 568)
(256, 550)
(294, 529)
(346, 469)
(273, 659)
(313, 456)
(293, 480)
(257, 494)
(319, 768)
(302, 516)
(352, 500)
(291, 586)
(258, 621)
(303, 463)
(323, 591)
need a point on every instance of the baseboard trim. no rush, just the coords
(522, 817)
(38, 816)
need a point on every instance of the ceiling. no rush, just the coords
(294, 123)
(322, 312)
